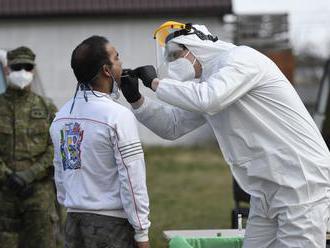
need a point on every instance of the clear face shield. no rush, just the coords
(3, 63)
(167, 51)
(36, 85)
(171, 53)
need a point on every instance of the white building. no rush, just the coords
(53, 28)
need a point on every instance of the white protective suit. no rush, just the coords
(273, 147)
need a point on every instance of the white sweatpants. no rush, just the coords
(299, 226)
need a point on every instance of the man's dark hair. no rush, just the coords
(88, 58)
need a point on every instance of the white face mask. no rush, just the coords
(182, 69)
(115, 89)
(20, 79)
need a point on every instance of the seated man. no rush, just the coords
(98, 158)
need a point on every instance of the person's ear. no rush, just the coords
(106, 70)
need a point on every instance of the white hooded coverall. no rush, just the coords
(273, 147)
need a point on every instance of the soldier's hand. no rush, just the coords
(15, 183)
(147, 74)
(143, 244)
(130, 86)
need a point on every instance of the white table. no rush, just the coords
(205, 233)
(208, 233)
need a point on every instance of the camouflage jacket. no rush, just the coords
(24, 138)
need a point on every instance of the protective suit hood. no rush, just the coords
(207, 52)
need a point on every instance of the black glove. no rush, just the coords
(15, 183)
(19, 186)
(146, 73)
(130, 86)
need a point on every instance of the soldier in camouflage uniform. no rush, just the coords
(27, 197)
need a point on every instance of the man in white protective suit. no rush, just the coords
(271, 143)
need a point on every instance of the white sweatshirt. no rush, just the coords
(99, 161)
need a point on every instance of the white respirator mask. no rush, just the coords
(182, 69)
(20, 79)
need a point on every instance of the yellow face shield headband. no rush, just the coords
(170, 30)
(167, 28)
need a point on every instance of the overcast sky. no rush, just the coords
(309, 20)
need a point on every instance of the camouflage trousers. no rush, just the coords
(28, 222)
(87, 230)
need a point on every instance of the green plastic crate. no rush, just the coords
(218, 242)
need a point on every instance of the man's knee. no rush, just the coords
(303, 226)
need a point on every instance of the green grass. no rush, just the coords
(189, 188)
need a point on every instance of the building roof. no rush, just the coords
(52, 8)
